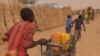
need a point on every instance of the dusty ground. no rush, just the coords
(89, 44)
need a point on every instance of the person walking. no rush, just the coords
(78, 22)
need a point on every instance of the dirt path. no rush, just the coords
(89, 44)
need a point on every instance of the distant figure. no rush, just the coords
(83, 15)
(78, 22)
(68, 24)
(20, 36)
(89, 15)
(93, 14)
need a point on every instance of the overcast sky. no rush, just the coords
(76, 4)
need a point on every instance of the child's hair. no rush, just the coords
(80, 16)
(27, 14)
(69, 16)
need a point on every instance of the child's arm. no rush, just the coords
(39, 42)
(73, 22)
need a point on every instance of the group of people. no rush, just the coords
(78, 23)
(90, 15)
(20, 36)
(78, 26)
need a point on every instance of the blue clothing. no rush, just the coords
(68, 25)
(69, 22)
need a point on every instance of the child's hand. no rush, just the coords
(43, 41)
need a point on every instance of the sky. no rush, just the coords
(76, 4)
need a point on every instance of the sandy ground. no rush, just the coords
(89, 44)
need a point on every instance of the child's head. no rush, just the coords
(80, 17)
(27, 14)
(69, 16)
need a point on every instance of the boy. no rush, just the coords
(68, 24)
(78, 22)
(20, 36)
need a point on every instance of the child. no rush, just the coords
(78, 22)
(68, 24)
(20, 36)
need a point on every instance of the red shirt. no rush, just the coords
(20, 34)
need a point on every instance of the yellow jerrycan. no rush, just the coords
(61, 39)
